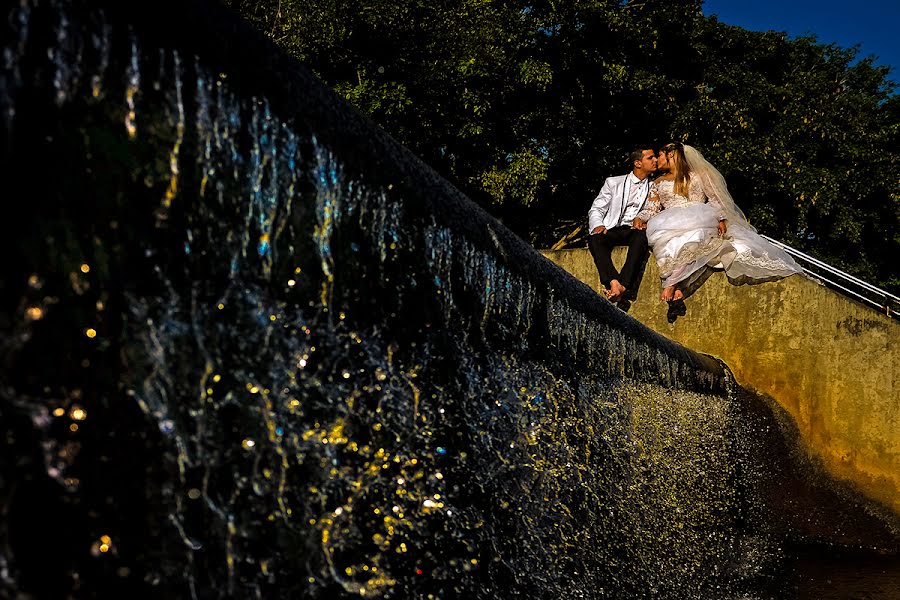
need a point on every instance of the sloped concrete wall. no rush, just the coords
(831, 362)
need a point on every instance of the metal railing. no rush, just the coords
(843, 282)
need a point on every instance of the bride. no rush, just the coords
(695, 228)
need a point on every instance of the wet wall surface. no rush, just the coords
(252, 348)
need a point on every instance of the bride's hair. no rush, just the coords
(675, 152)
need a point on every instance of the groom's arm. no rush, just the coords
(600, 206)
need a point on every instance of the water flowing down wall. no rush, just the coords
(252, 348)
(830, 361)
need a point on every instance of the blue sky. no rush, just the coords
(873, 24)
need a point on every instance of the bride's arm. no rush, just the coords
(653, 205)
(717, 204)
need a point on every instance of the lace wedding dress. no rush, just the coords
(683, 235)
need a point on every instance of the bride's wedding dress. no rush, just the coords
(683, 234)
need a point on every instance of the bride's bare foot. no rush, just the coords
(669, 293)
(616, 289)
(678, 295)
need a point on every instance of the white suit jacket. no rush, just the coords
(610, 205)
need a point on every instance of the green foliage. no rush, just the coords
(802, 132)
(528, 106)
(519, 181)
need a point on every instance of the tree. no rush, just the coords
(528, 106)
(802, 133)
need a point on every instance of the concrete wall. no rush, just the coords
(831, 362)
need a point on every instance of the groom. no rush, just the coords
(612, 220)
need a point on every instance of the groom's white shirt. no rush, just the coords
(620, 200)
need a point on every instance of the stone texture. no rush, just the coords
(830, 361)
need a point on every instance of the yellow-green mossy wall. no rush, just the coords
(830, 361)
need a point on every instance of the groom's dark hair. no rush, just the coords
(638, 153)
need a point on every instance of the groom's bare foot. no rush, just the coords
(668, 294)
(616, 289)
(678, 295)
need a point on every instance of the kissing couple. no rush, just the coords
(687, 218)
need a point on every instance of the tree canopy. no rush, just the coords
(528, 106)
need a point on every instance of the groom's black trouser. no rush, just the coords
(601, 245)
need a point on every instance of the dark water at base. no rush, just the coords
(824, 576)
(240, 361)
